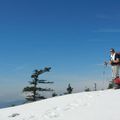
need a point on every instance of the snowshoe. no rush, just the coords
(116, 86)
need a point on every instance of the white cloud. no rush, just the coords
(106, 16)
(107, 31)
(19, 68)
(103, 16)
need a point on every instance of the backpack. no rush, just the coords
(118, 55)
(117, 80)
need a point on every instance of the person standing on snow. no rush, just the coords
(115, 63)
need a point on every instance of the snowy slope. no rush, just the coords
(100, 105)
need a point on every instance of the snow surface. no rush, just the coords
(97, 105)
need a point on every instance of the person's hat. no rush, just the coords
(112, 50)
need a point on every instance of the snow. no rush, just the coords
(97, 105)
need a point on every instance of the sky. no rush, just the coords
(72, 37)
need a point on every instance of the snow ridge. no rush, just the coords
(97, 105)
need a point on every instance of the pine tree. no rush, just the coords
(69, 89)
(87, 89)
(33, 89)
(54, 94)
(111, 85)
(95, 86)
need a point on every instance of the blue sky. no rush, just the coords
(73, 37)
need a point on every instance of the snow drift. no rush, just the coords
(97, 105)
